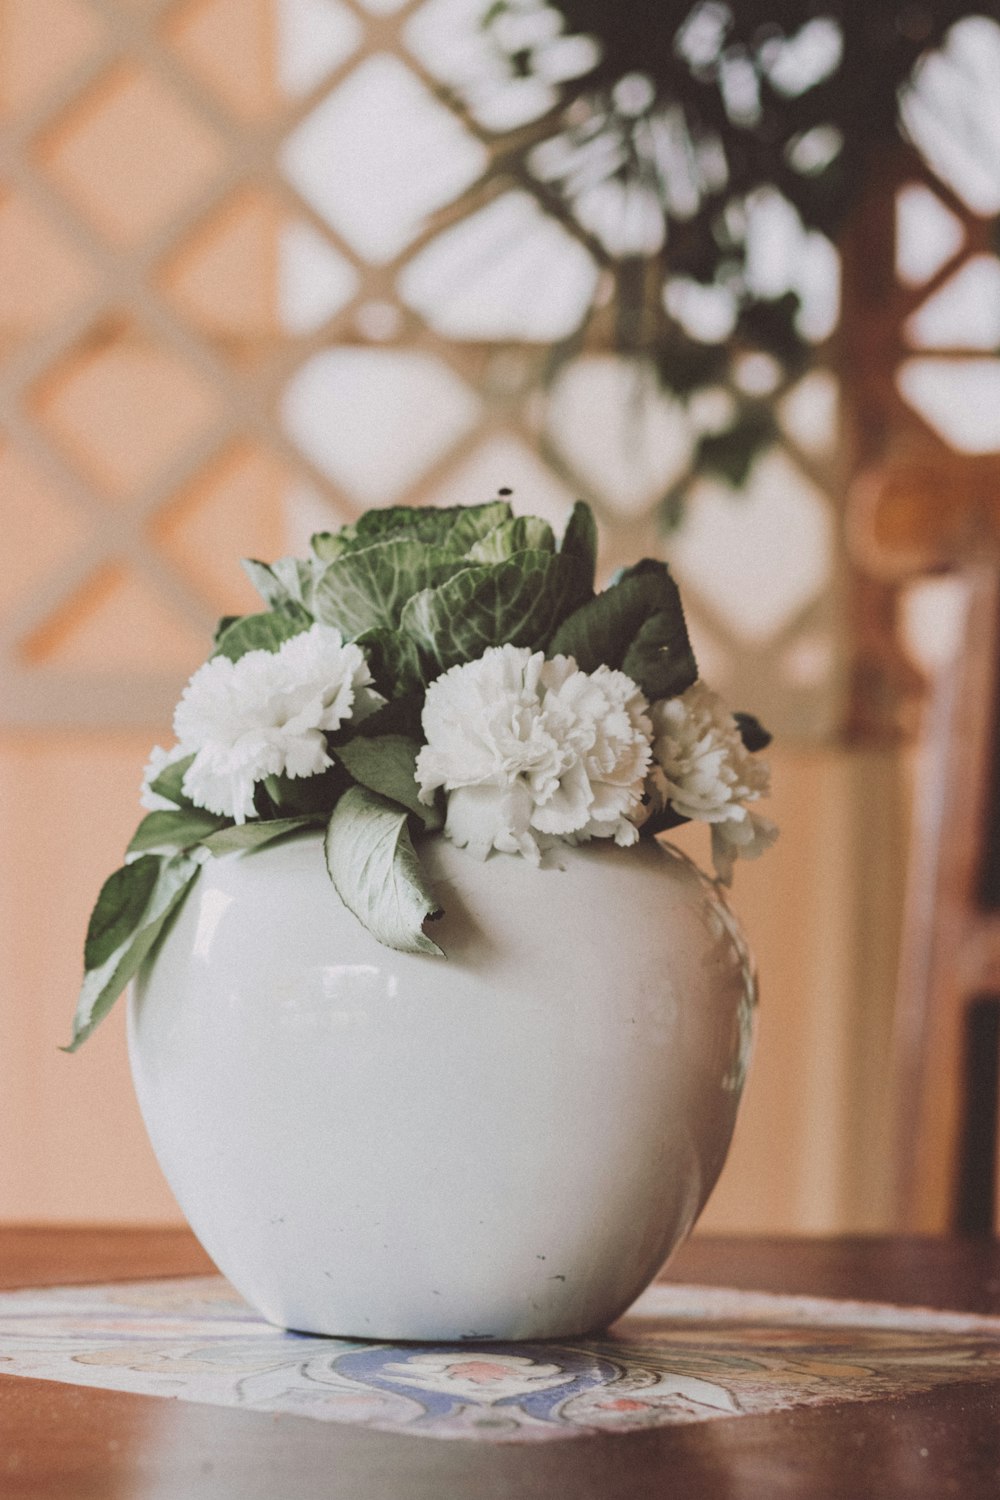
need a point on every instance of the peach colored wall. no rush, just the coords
(73, 1146)
(822, 910)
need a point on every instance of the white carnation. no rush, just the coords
(740, 837)
(703, 770)
(159, 760)
(267, 715)
(533, 751)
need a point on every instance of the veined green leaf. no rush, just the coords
(386, 765)
(223, 626)
(752, 732)
(401, 716)
(376, 872)
(166, 830)
(122, 900)
(366, 589)
(327, 546)
(580, 538)
(297, 578)
(263, 632)
(243, 836)
(638, 625)
(302, 796)
(393, 660)
(522, 534)
(454, 528)
(170, 782)
(520, 601)
(132, 911)
(285, 584)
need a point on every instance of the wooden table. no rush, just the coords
(70, 1443)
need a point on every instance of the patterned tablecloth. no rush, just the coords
(682, 1354)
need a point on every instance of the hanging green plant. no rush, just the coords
(672, 129)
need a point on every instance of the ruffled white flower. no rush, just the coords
(267, 715)
(737, 837)
(533, 751)
(703, 770)
(159, 760)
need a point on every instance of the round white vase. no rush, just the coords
(506, 1143)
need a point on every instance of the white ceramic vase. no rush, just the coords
(503, 1144)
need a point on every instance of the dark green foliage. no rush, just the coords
(752, 732)
(702, 151)
(170, 782)
(731, 454)
(520, 602)
(580, 540)
(121, 903)
(264, 632)
(173, 831)
(637, 625)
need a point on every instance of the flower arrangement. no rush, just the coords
(451, 670)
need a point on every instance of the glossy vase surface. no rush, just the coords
(505, 1143)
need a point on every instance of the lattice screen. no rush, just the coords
(238, 302)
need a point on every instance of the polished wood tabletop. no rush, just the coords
(72, 1443)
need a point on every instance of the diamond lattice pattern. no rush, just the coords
(239, 300)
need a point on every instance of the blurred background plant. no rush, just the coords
(689, 142)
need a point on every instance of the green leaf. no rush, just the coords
(673, 508)
(244, 836)
(662, 822)
(401, 716)
(122, 901)
(393, 660)
(637, 625)
(165, 830)
(522, 534)
(684, 365)
(520, 601)
(260, 575)
(376, 872)
(452, 527)
(263, 632)
(285, 585)
(732, 454)
(170, 782)
(327, 546)
(660, 659)
(386, 765)
(455, 528)
(580, 538)
(752, 732)
(132, 911)
(367, 589)
(303, 796)
(223, 626)
(297, 578)
(771, 323)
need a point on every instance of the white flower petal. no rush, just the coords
(476, 817)
(704, 771)
(159, 760)
(266, 715)
(531, 751)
